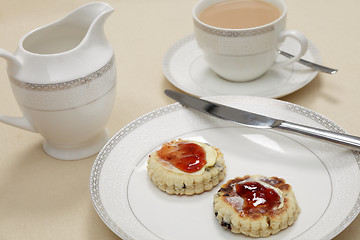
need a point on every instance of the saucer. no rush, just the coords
(185, 67)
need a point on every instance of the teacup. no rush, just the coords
(244, 54)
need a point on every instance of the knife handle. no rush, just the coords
(344, 140)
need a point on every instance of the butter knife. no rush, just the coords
(260, 121)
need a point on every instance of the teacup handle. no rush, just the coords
(20, 122)
(303, 46)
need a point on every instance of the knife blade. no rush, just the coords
(260, 121)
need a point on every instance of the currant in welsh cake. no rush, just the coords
(185, 167)
(256, 206)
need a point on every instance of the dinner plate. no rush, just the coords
(325, 177)
(185, 67)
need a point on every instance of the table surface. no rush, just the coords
(45, 198)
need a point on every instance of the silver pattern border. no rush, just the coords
(68, 84)
(100, 160)
(234, 33)
(335, 128)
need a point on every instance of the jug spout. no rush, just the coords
(88, 13)
(13, 62)
(92, 16)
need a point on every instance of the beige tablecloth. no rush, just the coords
(45, 198)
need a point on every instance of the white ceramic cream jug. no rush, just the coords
(63, 77)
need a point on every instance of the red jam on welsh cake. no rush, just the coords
(257, 197)
(187, 156)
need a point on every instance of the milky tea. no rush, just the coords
(239, 14)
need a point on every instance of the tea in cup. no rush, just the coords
(240, 38)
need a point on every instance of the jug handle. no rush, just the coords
(21, 122)
(14, 63)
